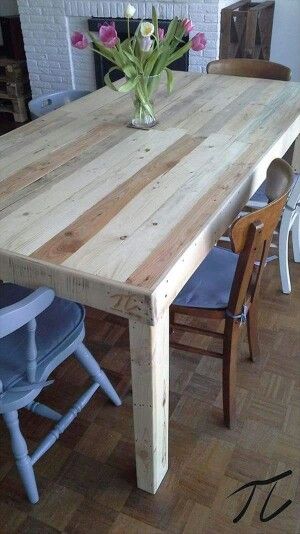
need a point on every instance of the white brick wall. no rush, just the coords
(47, 25)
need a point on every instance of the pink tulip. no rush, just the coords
(108, 35)
(161, 33)
(187, 25)
(79, 40)
(198, 42)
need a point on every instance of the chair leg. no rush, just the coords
(231, 336)
(285, 226)
(22, 458)
(296, 238)
(253, 332)
(84, 356)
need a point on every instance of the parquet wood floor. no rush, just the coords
(87, 480)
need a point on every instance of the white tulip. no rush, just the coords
(146, 44)
(129, 11)
(147, 29)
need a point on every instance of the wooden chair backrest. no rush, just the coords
(252, 68)
(251, 236)
(278, 184)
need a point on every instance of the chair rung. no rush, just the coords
(197, 350)
(44, 411)
(64, 422)
(196, 330)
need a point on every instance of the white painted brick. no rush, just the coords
(210, 53)
(211, 17)
(211, 37)
(170, 11)
(120, 9)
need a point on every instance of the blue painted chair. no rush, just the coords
(38, 331)
(43, 104)
(225, 286)
(290, 221)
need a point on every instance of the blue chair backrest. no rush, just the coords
(24, 313)
(45, 103)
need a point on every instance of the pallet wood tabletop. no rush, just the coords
(81, 191)
(119, 219)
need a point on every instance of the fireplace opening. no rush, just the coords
(102, 65)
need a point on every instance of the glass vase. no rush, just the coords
(143, 102)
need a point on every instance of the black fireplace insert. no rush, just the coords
(102, 65)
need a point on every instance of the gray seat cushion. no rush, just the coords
(57, 326)
(210, 285)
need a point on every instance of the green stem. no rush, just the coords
(128, 28)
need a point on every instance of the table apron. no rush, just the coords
(90, 290)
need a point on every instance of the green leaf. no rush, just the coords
(137, 31)
(128, 86)
(155, 22)
(179, 31)
(171, 31)
(150, 63)
(170, 80)
(179, 53)
(125, 87)
(100, 48)
(132, 58)
(143, 99)
(108, 81)
(129, 70)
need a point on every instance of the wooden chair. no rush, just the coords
(226, 285)
(37, 333)
(252, 68)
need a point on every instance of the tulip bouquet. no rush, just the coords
(142, 57)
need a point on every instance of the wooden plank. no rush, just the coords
(67, 242)
(166, 204)
(38, 220)
(149, 350)
(33, 171)
(17, 198)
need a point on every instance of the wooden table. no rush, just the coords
(119, 219)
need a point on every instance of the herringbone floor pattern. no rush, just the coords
(87, 481)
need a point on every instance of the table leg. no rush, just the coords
(149, 347)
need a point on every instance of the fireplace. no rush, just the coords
(47, 25)
(102, 65)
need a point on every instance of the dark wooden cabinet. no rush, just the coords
(246, 30)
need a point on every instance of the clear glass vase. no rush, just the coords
(143, 101)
